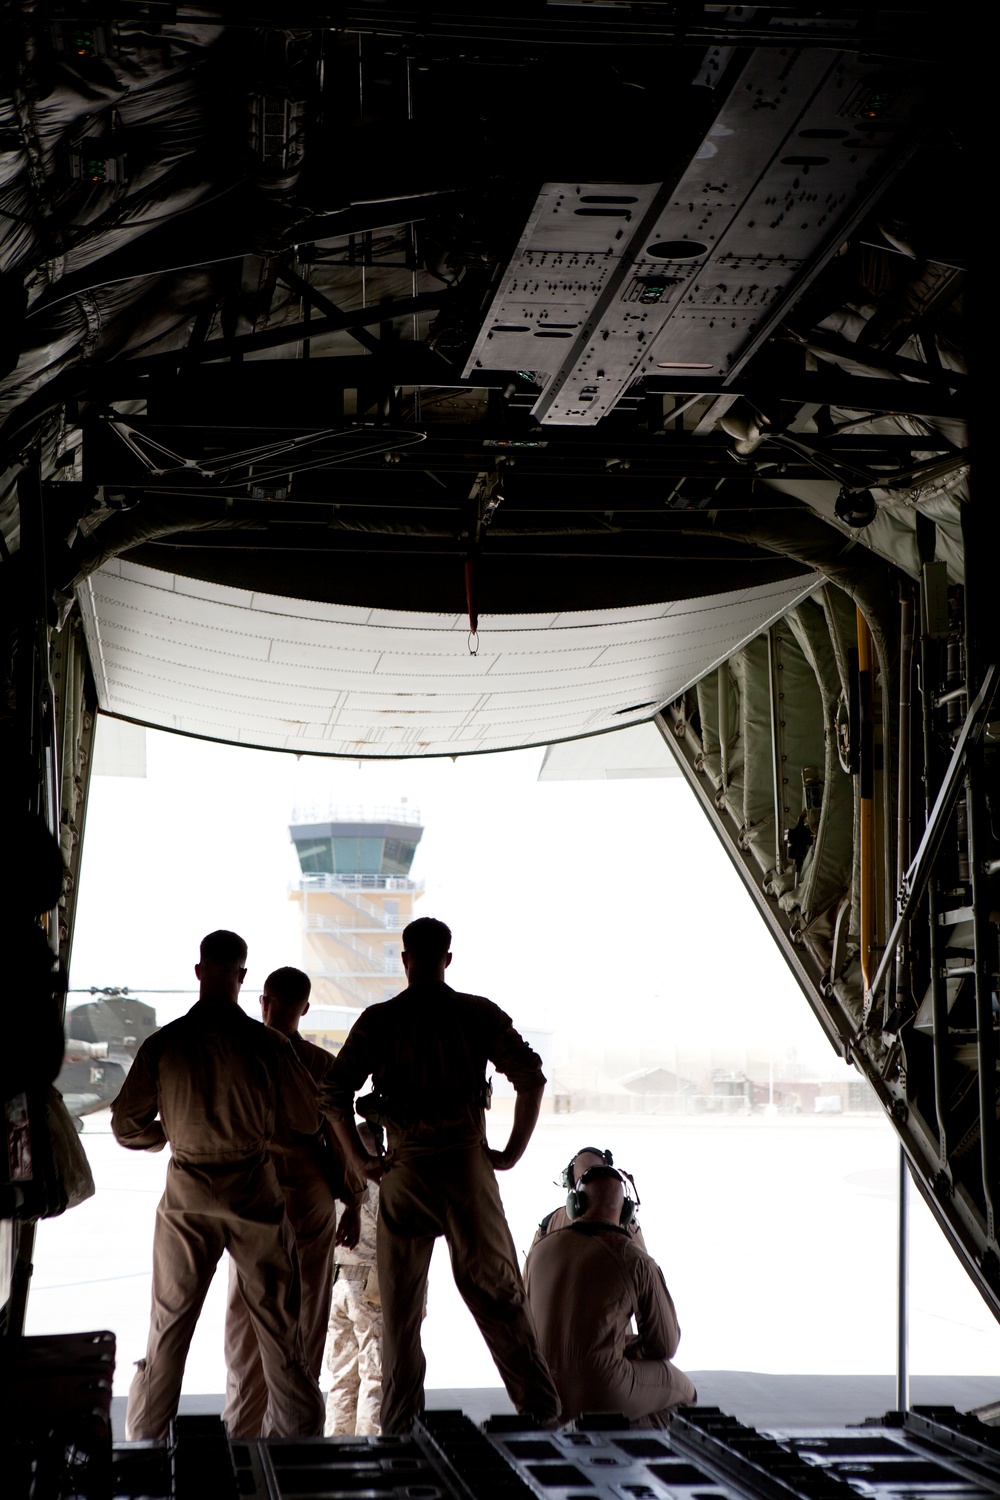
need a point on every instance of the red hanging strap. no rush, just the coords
(472, 604)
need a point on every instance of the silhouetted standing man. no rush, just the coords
(311, 1176)
(217, 1080)
(426, 1051)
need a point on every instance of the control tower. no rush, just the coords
(356, 896)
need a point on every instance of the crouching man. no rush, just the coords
(584, 1285)
(588, 1156)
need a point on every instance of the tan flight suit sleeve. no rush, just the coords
(355, 1188)
(656, 1318)
(510, 1053)
(328, 1156)
(345, 1184)
(296, 1095)
(351, 1067)
(134, 1113)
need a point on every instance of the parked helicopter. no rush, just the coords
(102, 1037)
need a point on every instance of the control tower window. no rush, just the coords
(398, 856)
(316, 858)
(357, 856)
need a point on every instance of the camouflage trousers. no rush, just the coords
(354, 1357)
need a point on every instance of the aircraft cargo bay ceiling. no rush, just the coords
(227, 664)
(388, 380)
(298, 313)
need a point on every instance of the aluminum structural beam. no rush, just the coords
(600, 546)
(829, 387)
(243, 437)
(885, 31)
(289, 333)
(914, 882)
(883, 363)
(279, 383)
(213, 239)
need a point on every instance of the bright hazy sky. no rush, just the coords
(604, 910)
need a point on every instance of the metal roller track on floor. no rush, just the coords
(925, 1454)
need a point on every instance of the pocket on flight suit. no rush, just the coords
(371, 1292)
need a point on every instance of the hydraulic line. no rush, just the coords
(903, 788)
(984, 943)
(722, 681)
(980, 655)
(939, 998)
(773, 667)
(867, 806)
(903, 1288)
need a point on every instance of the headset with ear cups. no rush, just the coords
(568, 1178)
(576, 1201)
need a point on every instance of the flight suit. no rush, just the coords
(584, 1285)
(426, 1051)
(311, 1177)
(560, 1219)
(217, 1079)
(354, 1355)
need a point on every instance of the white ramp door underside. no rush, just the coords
(328, 679)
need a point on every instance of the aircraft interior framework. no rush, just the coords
(387, 381)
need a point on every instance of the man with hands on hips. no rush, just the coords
(426, 1051)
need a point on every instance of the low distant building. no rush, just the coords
(662, 1091)
(584, 1084)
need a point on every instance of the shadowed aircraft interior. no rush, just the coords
(382, 380)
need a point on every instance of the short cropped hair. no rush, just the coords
(288, 986)
(601, 1188)
(224, 947)
(427, 938)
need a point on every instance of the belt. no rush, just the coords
(215, 1168)
(353, 1273)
